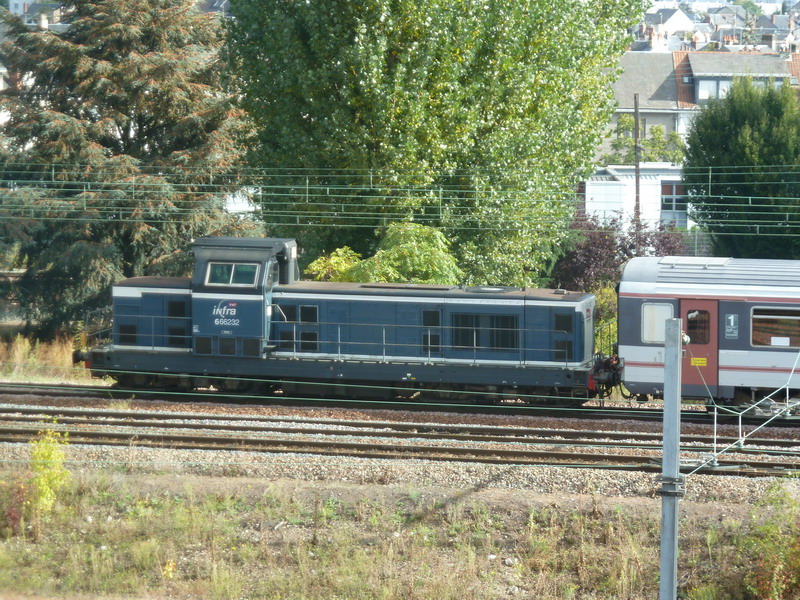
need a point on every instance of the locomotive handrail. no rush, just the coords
(428, 342)
(386, 348)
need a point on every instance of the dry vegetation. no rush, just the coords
(22, 359)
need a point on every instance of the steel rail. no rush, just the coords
(478, 433)
(592, 412)
(388, 450)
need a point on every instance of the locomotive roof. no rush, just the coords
(156, 281)
(430, 290)
(243, 242)
(380, 289)
(711, 277)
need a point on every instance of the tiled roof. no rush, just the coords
(685, 90)
(650, 74)
(729, 64)
(794, 65)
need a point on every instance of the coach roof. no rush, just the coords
(710, 276)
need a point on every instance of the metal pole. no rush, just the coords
(671, 481)
(637, 158)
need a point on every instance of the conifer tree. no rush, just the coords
(120, 148)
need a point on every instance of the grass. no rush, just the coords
(108, 535)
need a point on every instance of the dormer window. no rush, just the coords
(232, 274)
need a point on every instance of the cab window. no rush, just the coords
(232, 274)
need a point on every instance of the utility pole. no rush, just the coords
(672, 488)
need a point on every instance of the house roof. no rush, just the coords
(651, 75)
(782, 21)
(662, 15)
(726, 64)
(728, 9)
(765, 22)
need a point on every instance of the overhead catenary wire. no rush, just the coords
(322, 198)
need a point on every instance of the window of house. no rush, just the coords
(706, 89)
(673, 204)
(776, 327)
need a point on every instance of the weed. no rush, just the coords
(49, 473)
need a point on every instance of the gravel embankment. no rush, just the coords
(544, 480)
(311, 468)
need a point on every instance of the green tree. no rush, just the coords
(750, 7)
(656, 146)
(119, 149)
(476, 118)
(408, 253)
(741, 171)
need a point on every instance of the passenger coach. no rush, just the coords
(742, 318)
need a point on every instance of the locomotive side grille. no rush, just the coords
(251, 346)
(127, 334)
(202, 345)
(227, 346)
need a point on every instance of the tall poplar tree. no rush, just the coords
(119, 149)
(474, 117)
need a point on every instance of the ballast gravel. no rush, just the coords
(309, 467)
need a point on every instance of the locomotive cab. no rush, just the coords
(232, 292)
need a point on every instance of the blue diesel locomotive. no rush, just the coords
(245, 322)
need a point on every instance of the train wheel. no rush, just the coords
(235, 386)
(134, 380)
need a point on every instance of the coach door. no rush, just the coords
(700, 361)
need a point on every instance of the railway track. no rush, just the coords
(630, 411)
(639, 451)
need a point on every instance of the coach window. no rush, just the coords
(653, 317)
(698, 326)
(776, 327)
